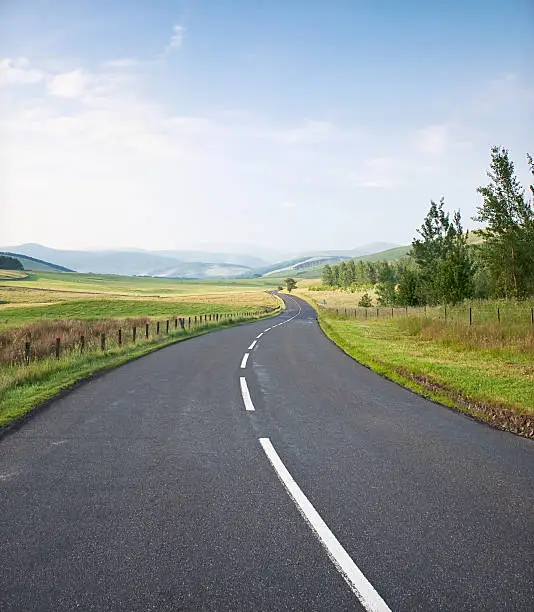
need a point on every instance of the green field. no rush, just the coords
(486, 369)
(50, 305)
(133, 285)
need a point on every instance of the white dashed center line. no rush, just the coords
(252, 345)
(244, 361)
(246, 395)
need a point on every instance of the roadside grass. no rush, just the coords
(485, 370)
(23, 387)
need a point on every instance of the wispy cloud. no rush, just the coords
(177, 38)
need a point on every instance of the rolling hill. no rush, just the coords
(33, 263)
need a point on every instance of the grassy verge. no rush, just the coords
(23, 388)
(493, 383)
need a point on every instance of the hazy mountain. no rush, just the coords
(132, 263)
(187, 263)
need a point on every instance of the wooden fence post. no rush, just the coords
(445, 312)
(146, 330)
(134, 333)
(58, 342)
(532, 316)
(27, 347)
(470, 316)
(157, 328)
(120, 337)
(103, 341)
(167, 328)
(377, 313)
(82, 343)
(498, 314)
(189, 322)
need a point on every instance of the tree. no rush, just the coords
(291, 284)
(508, 249)
(327, 276)
(365, 301)
(442, 257)
(10, 263)
(408, 289)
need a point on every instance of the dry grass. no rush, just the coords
(337, 298)
(12, 275)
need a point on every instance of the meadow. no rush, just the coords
(56, 327)
(485, 368)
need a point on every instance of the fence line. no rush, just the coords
(468, 315)
(116, 336)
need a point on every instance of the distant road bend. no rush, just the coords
(260, 468)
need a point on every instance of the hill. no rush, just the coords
(133, 263)
(312, 268)
(33, 263)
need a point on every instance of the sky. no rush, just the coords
(299, 124)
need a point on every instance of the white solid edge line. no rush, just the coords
(246, 395)
(244, 360)
(252, 345)
(358, 583)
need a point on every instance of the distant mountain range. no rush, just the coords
(185, 264)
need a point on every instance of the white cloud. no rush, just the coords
(434, 139)
(177, 37)
(68, 84)
(289, 204)
(18, 71)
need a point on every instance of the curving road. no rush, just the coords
(292, 479)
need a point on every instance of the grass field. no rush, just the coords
(486, 369)
(49, 305)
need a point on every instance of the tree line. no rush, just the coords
(443, 267)
(10, 263)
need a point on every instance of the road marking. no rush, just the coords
(358, 583)
(259, 336)
(252, 345)
(244, 361)
(246, 395)
(266, 330)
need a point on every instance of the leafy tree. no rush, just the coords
(365, 301)
(408, 289)
(442, 257)
(508, 249)
(10, 263)
(291, 284)
(327, 276)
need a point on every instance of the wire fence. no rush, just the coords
(58, 338)
(504, 313)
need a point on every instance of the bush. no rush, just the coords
(365, 301)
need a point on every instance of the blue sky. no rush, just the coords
(318, 124)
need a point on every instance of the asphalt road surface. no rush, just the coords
(292, 479)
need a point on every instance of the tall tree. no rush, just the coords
(442, 257)
(508, 249)
(327, 276)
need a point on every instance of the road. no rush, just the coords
(312, 484)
